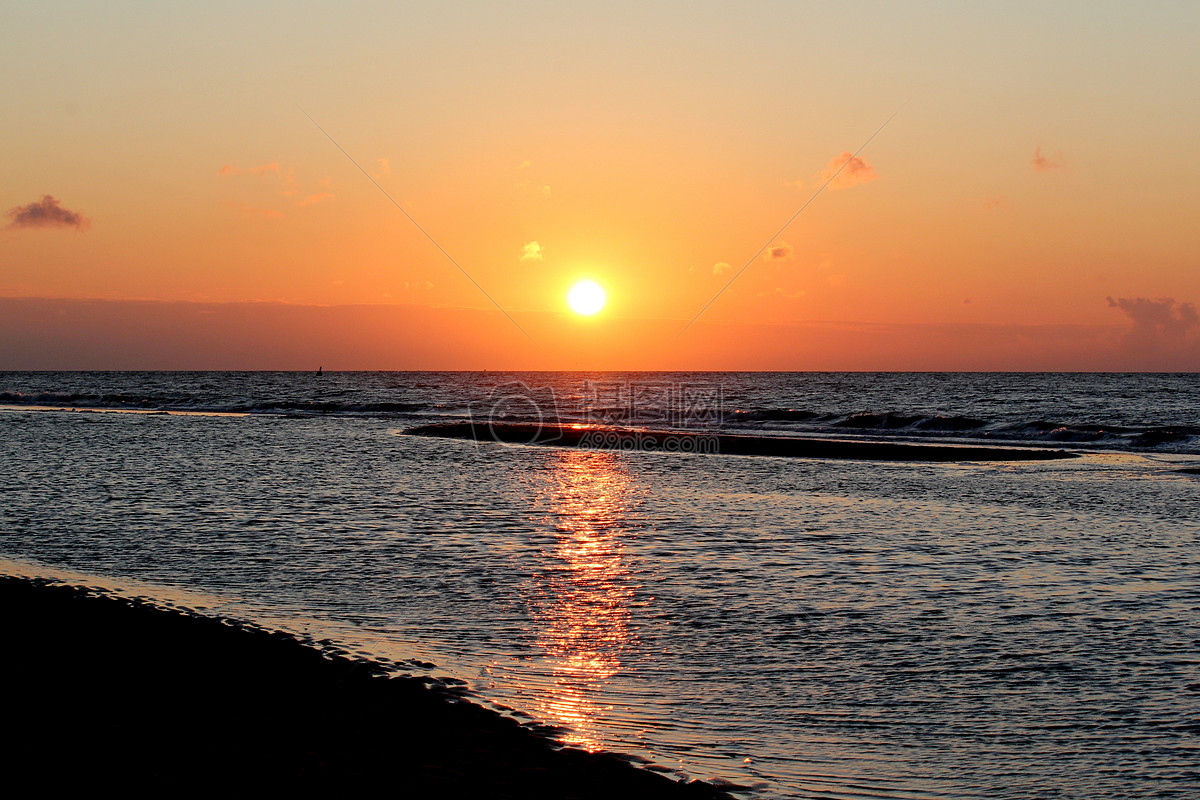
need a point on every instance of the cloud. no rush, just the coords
(264, 169)
(315, 198)
(46, 213)
(778, 252)
(528, 187)
(383, 168)
(282, 181)
(247, 211)
(854, 170)
(1044, 163)
(1159, 323)
(287, 177)
(532, 251)
(720, 268)
(523, 165)
(289, 183)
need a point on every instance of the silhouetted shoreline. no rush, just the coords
(118, 693)
(608, 438)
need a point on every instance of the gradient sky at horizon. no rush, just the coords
(1044, 161)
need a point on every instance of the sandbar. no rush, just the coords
(627, 439)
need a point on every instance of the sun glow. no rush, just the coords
(586, 298)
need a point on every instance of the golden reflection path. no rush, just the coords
(580, 600)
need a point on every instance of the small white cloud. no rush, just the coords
(720, 268)
(532, 251)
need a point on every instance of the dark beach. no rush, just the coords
(609, 438)
(106, 692)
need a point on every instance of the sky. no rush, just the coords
(168, 204)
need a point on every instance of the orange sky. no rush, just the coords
(1043, 163)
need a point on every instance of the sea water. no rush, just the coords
(800, 627)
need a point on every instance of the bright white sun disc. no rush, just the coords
(586, 297)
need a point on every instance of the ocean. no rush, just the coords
(798, 627)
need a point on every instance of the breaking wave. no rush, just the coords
(132, 402)
(1130, 413)
(1175, 438)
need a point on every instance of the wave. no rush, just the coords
(773, 420)
(782, 414)
(1179, 438)
(81, 400)
(332, 407)
(242, 406)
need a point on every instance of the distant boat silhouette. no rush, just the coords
(319, 371)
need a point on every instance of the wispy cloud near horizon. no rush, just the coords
(248, 211)
(1165, 334)
(315, 198)
(263, 169)
(532, 187)
(1044, 163)
(1159, 319)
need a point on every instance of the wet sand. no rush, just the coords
(107, 692)
(606, 438)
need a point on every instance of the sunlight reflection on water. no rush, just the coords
(580, 601)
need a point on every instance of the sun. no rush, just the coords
(586, 298)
